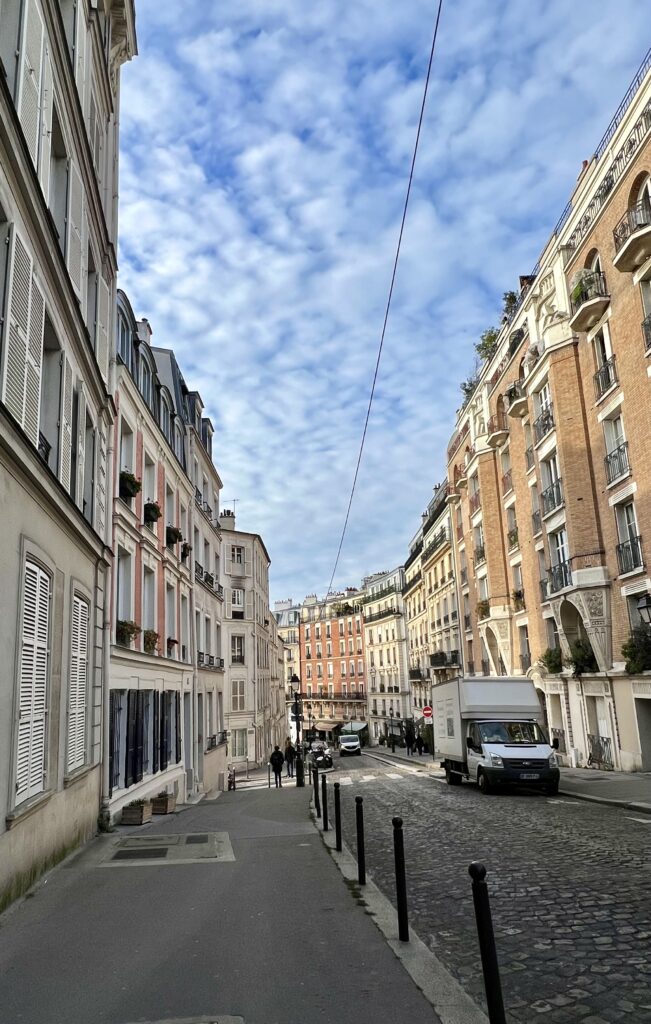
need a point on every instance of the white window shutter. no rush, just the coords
(47, 108)
(81, 34)
(229, 603)
(33, 373)
(247, 561)
(248, 599)
(15, 358)
(65, 440)
(75, 220)
(100, 484)
(31, 63)
(77, 687)
(30, 757)
(81, 447)
(103, 324)
(84, 259)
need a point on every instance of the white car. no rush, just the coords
(349, 744)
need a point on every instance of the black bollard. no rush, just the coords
(361, 856)
(269, 774)
(401, 882)
(337, 818)
(317, 802)
(324, 801)
(487, 947)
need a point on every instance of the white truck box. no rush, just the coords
(491, 698)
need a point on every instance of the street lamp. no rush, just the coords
(310, 719)
(644, 609)
(297, 709)
(393, 739)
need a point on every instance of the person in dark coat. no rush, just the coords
(277, 761)
(290, 756)
(409, 742)
(419, 745)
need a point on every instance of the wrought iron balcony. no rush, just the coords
(480, 554)
(44, 448)
(544, 424)
(516, 396)
(616, 462)
(589, 300)
(507, 482)
(605, 377)
(512, 537)
(552, 497)
(629, 555)
(474, 502)
(632, 236)
(529, 457)
(646, 332)
(560, 576)
(416, 674)
(384, 613)
(198, 571)
(498, 430)
(536, 521)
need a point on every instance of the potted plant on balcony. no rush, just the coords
(137, 812)
(171, 644)
(172, 535)
(581, 284)
(552, 659)
(151, 512)
(150, 641)
(483, 608)
(164, 803)
(125, 632)
(129, 485)
(185, 550)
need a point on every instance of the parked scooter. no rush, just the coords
(320, 756)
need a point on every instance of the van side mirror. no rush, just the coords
(555, 743)
(469, 744)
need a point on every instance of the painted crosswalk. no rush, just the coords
(348, 780)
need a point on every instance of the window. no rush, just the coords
(328, 649)
(239, 743)
(237, 557)
(317, 632)
(237, 650)
(308, 672)
(629, 550)
(237, 695)
(343, 668)
(124, 341)
(237, 603)
(342, 647)
(307, 632)
(331, 670)
(318, 651)
(617, 464)
(165, 417)
(77, 685)
(34, 668)
(146, 381)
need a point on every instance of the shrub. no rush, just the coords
(637, 650)
(552, 659)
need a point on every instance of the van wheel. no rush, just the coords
(552, 789)
(483, 783)
(452, 778)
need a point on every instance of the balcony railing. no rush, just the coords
(600, 749)
(237, 659)
(525, 662)
(475, 502)
(560, 576)
(44, 447)
(512, 537)
(507, 482)
(544, 424)
(516, 396)
(646, 332)
(552, 497)
(592, 287)
(485, 667)
(559, 734)
(536, 522)
(638, 216)
(480, 554)
(629, 554)
(444, 659)
(198, 571)
(416, 673)
(467, 622)
(605, 377)
(384, 613)
(529, 457)
(617, 464)
(464, 577)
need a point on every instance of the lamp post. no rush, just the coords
(297, 708)
(393, 739)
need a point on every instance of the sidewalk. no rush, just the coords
(629, 790)
(253, 924)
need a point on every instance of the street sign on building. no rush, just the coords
(427, 711)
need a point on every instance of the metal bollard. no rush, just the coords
(324, 801)
(401, 882)
(487, 947)
(317, 802)
(361, 855)
(338, 844)
(269, 774)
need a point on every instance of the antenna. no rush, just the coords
(231, 501)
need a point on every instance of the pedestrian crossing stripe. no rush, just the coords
(347, 780)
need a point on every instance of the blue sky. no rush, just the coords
(265, 152)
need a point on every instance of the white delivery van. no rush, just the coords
(490, 730)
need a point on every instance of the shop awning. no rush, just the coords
(327, 726)
(354, 727)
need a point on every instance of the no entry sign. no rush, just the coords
(427, 711)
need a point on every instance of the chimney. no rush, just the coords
(227, 519)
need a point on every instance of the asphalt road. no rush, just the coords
(569, 884)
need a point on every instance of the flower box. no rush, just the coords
(151, 512)
(150, 641)
(126, 631)
(164, 803)
(137, 813)
(129, 485)
(172, 536)
(185, 550)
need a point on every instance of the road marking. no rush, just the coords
(393, 775)
(368, 778)
(642, 821)
(346, 781)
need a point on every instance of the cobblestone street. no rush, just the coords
(569, 885)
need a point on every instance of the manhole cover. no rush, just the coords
(149, 853)
(196, 839)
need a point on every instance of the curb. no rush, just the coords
(427, 766)
(448, 999)
(624, 805)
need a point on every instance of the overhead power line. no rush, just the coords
(393, 281)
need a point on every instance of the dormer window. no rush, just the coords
(124, 343)
(165, 417)
(146, 381)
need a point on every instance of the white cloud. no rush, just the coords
(266, 147)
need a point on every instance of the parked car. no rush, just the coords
(349, 743)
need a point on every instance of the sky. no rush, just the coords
(266, 147)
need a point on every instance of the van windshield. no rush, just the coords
(511, 732)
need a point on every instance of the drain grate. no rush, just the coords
(149, 853)
(196, 839)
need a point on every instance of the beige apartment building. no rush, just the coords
(389, 706)
(550, 469)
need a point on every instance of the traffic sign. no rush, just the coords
(427, 711)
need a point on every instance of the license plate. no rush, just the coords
(529, 775)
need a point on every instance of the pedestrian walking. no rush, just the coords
(419, 745)
(409, 742)
(290, 757)
(277, 761)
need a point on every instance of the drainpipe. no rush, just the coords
(192, 638)
(105, 814)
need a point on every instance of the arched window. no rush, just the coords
(146, 380)
(165, 416)
(644, 193)
(125, 346)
